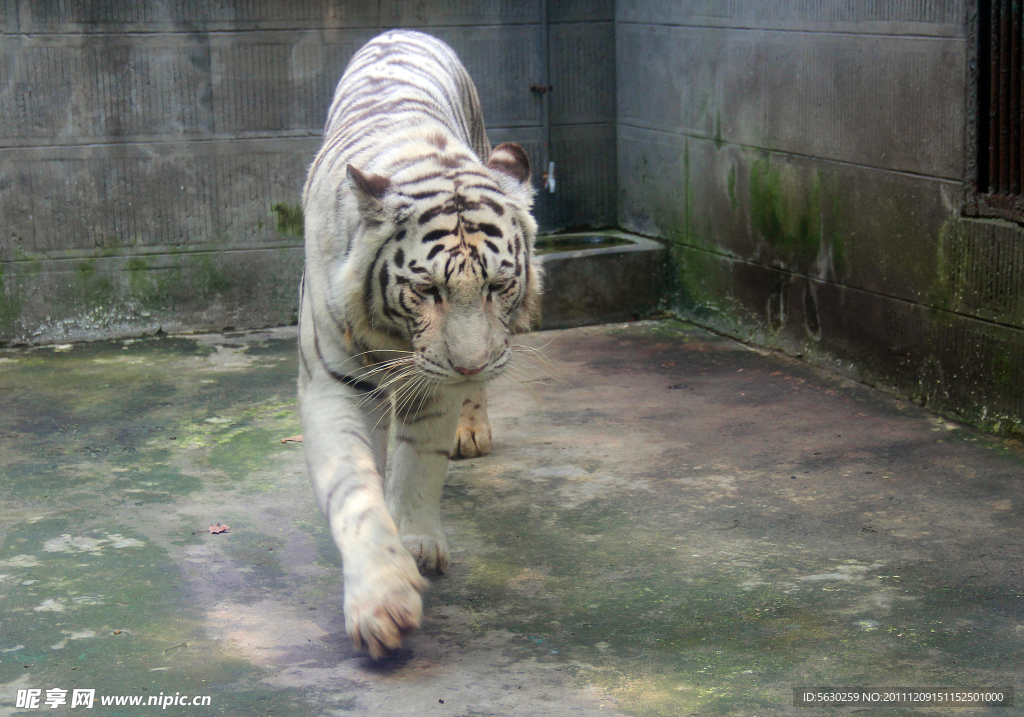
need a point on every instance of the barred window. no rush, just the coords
(996, 126)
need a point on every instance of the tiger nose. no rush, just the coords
(469, 371)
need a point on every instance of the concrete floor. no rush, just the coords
(683, 527)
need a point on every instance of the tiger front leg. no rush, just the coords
(424, 438)
(473, 437)
(382, 582)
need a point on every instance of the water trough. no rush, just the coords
(600, 277)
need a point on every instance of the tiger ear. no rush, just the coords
(369, 190)
(509, 160)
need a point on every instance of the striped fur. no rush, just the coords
(419, 266)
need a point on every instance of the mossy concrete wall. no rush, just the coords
(153, 153)
(806, 162)
(804, 159)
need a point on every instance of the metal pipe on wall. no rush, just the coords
(545, 88)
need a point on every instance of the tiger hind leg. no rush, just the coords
(473, 437)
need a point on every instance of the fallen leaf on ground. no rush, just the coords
(218, 528)
(292, 439)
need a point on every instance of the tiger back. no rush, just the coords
(419, 267)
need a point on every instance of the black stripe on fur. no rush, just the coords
(363, 386)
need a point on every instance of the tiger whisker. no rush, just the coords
(389, 361)
(385, 370)
(528, 347)
(390, 410)
(425, 393)
(389, 366)
(523, 377)
(518, 360)
(522, 350)
(400, 395)
(529, 374)
(524, 372)
(407, 394)
(404, 374)
(380, 390)
(378, 351)
(522, 385)
(382, 387)
(424, 390)
(385, 413)
(533, 352)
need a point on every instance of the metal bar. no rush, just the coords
(980, 69)
(1017, 168)
(993, 100)
(1013, 123)
(545, 60)
(1005, 29)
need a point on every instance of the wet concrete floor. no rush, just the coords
(677, 525)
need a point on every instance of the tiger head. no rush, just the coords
(443, 262)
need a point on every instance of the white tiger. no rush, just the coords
(419, 266)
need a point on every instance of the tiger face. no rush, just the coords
(452, 273)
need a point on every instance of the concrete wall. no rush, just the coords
(805, 158)
(153, 153)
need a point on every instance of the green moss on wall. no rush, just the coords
(162, 288)
(948, 275)
(32, 269)
(784, 213)
(838, 255)
(10, 304)
(290, 221)
(687, 227)
(209, 278)
(701, 284)
(142, 285)
(831, 225)
(730, 185)
(97, 290)
(112, 246)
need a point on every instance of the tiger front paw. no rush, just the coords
(473, 439)
(429, 551)
(383, 607)
(473, 436)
